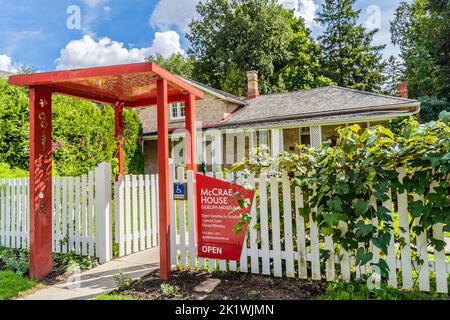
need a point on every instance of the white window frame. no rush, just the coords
(177, 107)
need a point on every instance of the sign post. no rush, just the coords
(218, 213)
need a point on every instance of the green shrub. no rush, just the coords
(122, 280)
(6, 172)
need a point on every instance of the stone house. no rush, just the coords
(229, 126)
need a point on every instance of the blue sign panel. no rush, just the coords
(180, 191)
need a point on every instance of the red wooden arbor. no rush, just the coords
(124, 86)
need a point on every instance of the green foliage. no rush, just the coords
(421, 29)
(6, 172)
(231, 37)
(353, 180)
(176, 63)
(432, 107)
(122, 280)
(393, 74)
(348, 56)
(16, 261)
(341, 290)
(170, 290)
(83, 134)
(13, 285)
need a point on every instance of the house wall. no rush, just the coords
(210, 110)
(150, 156)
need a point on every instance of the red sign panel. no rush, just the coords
(218, 212)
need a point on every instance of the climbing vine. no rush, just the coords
(350, 184)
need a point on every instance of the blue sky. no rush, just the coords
(48, 35)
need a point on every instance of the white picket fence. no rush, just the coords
(136, 213)
(291, 246)
(81, 213)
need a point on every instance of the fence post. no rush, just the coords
(103, 212)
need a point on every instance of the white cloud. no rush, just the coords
(302, 8)
(94, 3)
(6, 64)
(87, 52)
(170, 13)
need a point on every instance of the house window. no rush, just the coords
(305, 136)
(177, 111)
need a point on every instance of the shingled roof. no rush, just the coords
(318, 103)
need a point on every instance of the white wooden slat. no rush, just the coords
(128, 234)
(70, 247)
(232, 264)
(8, 214)
(191, 219)
(84, 219)
(403, 223)
(172, 229)
(148, 227)
(264, 224)
(330, 264)
(276, 245)
(91, 213)
(18, 213)
(57, 234)
(222, 263)
(13, 213)
(315, 251)
(375, 250)
(24, 212)
(254, 259)
(27, 213)
(141, 214)
(243, 262)
(53, 214)
(182, 221)
(213, 263)
(134, 205)
(344, 256)
(301, 235)
(422, 253)
(154, 196)
(2, 213)
(391, 256)
(77, 237)
(122, 227)
(64, 215)
(440, 264)
(288, 236)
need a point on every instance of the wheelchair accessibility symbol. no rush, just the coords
(179, 191)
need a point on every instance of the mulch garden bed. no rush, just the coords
(233, 286)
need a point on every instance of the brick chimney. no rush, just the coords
(252, 79)
(402, 90)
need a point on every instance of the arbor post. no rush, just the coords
(163, 171)
(40, 183)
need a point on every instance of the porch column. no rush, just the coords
(163, 171)
(40, 183)
(191, 137)
(118, 126)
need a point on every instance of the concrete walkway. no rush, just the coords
(99, 280)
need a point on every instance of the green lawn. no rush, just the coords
(13, 285)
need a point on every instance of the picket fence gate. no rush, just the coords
(81, 208)
(291, 246)
(136, 213)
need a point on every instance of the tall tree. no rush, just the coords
(393, 74)
(421, 29)
(348, 56)
(231, 37)
(176, 63)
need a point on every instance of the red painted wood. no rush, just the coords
(118, 129)
(163, 171)
(66, 80)
(40, 183)
(191, 145)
